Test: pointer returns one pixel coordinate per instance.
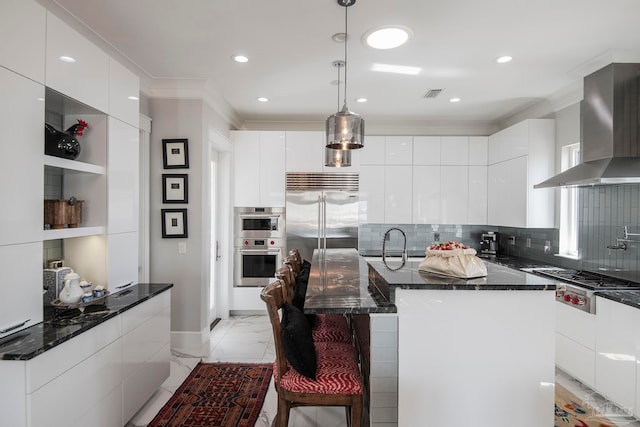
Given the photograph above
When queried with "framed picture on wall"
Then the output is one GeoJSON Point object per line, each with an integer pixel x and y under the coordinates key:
{"type": "Point", "coordinates": [175, 188]}
{"type": "Point", "coordinates": [174, 223]}
{"type": "Point", "coordinates": [175, 153]}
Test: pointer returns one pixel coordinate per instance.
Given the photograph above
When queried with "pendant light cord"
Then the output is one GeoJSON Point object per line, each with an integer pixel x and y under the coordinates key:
{"type": "Point", "coordinates": [346, 36]}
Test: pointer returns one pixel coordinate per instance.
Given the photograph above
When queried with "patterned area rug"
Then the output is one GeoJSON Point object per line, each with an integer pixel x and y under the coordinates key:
{"type": "Point", "coordinates": [574, 411]}
{"type": "Point", "coordinates": [217, 394]}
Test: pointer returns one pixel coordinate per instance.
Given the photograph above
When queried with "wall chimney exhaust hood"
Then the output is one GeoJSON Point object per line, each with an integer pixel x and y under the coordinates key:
{"type": "Point", "coordinates": [610, 147]}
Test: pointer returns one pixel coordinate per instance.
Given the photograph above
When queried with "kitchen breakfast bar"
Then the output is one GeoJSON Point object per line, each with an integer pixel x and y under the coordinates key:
{"type": "Point", "coordinates": [442, 351]}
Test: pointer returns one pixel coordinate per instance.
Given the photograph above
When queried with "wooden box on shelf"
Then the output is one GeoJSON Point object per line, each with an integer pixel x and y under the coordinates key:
{"type": "Point", "coordinates": [58, 213]}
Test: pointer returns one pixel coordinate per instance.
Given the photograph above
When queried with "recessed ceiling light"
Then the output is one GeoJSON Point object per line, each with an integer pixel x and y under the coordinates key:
{"type": "Point", "coordinates": [240, 58]}
{"type": "Point", "coordinates": [361, 100]}
{"type": "Point", "coordinates": [67, 59]}
{"type": "Point", "coordinates": [398, 69]}
{"type": "Point", "coordinates": [132, 98]}
{"type": "Point", "coordinates": [387, 37]}
{"type": "Point", "coordinates": [263, 99]}
{"type": "Point", "coordinates": [454, 100]}
{"type": "Point", "coordinates": [504, 59]}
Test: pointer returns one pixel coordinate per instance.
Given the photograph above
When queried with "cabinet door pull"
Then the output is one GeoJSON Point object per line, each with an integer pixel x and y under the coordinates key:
{"type": "Point", "coordinates": [11, 328]}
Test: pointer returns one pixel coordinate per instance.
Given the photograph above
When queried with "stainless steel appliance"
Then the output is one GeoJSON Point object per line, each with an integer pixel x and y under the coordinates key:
{"type": "Point", "coordinates": [579, 286]}
{"type": "Point", "coordinates": [259, 222]}
{"type": "Point", "coordinates": [489, 243]}
{"type": "Point", "coordinates": [609, 130]}
{"type": "Point", "coordinates": [322, 211]}
{"type": "Point", "coordinates": [259, 237]}
{"type": "Point", "coordinates": [256, 261]}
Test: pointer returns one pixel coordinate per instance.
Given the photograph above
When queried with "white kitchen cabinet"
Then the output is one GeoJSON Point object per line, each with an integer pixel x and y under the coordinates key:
{"type": "Point", "coordinates": [21, 118]}
{"type": "Point", "coordinates": [398, 191]}
{"type": "Point", "coordinates": [426, 195]}
{"type": "Point", "coordinates": [426, 150]}
{"type": "Point", "coordinates": [305, 152]}
{"type": "Point", "coordinates": [101, 377]}
{"type": "Point", "coordinates": [454, 150]}
{"type": "Point", "coordinates": [575, 343]}
{"type": "Point", "coordinates": [86, 77]}
{"type": "Point", "coordinates": [22, 31]}
{"type": "Point", "coordinates": [616, 363]}
{"type": "Point", "coordinates": [454, 187]}
{"type": "Point", "coordinates": [123, 177]}
{"type": "Point", "coordinates": [124, 94]}
{"type": "Point", "coordinates": [519, 157]}
{"type": "Point", "coordinates": [372, 194]}
{"type": "Point", "coordinates": [373, 152]}
{"type": "Point", "coordinates": [122, 259]}
{"type": "Point", "coordinates": [477, 198]}
{"type": "Point", "coordinates": [259, 168]}
{"type": "Point", "coordinates": [398, 150]}
{"type": "Point", "coordinates": [478, 146]}
{"type": "Point", "coordinates": [21, 292]}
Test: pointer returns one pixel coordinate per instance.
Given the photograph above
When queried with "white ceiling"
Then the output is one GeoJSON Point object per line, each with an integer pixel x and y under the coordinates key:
{"type": "Point", "coordinates": [554, 43]}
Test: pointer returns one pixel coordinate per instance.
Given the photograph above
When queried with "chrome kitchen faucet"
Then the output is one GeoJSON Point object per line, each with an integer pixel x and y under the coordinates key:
{"type": "Point", "coordinates": [384, 248]}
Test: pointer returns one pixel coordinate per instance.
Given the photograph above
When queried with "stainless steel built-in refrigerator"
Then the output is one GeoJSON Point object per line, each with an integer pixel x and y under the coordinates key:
{"type": "Point", "coordinates": [322, 211]}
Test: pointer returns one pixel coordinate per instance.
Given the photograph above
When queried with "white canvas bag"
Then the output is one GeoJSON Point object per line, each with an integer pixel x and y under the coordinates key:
{"type": "Point", "coordinates": [462, 263]}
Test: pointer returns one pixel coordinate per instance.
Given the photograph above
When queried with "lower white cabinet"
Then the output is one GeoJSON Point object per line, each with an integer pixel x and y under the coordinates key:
{"type": "Point", "coordinates": [99, 378]}
{"type": "Point", "coordinates": [617, 343]}
{"type": "Point", "coordinates": [575, 343]}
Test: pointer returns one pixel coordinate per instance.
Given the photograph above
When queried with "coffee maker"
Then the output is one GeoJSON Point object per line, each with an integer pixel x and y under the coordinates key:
{"type": "Point", "coordinates": [489, 243]}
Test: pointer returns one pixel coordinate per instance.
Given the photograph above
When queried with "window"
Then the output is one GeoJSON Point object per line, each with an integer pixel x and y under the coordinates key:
{"type": "Point", "coordinates": [569, 205]}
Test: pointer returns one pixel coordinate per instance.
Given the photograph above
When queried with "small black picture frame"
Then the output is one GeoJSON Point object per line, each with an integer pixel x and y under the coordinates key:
{"type": "Point", "coordinates": [175, 188]}
{"type": "Point", "coordinates": [175, 153]}
{"type": "Point", "coordinates": [174, 223]}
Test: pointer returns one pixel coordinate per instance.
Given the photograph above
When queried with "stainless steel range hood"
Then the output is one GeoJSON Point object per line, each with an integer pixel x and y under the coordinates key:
{"type": "Point", "coordinates": [610, 147]}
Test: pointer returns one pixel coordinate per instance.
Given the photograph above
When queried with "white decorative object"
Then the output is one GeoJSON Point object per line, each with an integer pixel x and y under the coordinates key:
{"type": "Point", "coordinates": [453, 259]}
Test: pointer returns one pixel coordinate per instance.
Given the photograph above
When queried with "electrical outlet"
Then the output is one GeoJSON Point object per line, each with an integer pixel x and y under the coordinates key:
{"type": "Point", "coordinates": [528, 242]}
{"type": "Point", "coordinates": [547, 246]}
{"type": "Point", "coordinates": [436, 237]}
{"type": "Point", "coordinates": [182, 248]}
{"type": "Point", "coordinates": [512, 240]}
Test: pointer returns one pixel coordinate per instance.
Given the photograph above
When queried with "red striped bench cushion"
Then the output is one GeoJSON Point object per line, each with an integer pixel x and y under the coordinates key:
{"type": "Point", "coordinates": [331, 328]}
{"type": "Point", "coordinates": [337, 372]}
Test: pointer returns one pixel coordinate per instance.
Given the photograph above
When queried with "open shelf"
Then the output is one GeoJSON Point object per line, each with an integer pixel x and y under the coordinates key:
{"type": "Point", "coordinates": [68, 233]}
{"type": "Point", "coordinates": [73, 165]}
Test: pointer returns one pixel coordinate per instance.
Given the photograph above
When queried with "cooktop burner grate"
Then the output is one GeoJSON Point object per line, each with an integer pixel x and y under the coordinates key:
{"type": "Point", "coordinates": [587, 279]}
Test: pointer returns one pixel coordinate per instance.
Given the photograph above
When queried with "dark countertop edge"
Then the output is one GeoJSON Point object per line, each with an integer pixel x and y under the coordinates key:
{"type": "Point", "coordinates": [629, 298]}
{"type": "Point", "coordinates": [163, 287]}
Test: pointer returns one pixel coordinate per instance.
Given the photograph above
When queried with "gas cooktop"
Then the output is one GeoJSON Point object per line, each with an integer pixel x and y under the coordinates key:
{"type": "Point", "coordinates": [586, 279]}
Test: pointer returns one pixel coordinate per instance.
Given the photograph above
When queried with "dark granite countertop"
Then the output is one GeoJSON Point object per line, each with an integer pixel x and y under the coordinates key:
{"type": "Point", "coordinates": [56, 328]}
{"type": "Point", "coordinates": [499, 278]}
{"type": "Point", "coordinates": [355, 285]}
{"type": "Point", "coordinates": [345, 287]}
{"type": "Point", "coordinates": [630, 298]}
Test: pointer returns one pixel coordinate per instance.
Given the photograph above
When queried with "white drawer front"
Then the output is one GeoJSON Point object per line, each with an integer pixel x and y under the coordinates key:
{"type": "Point", "coordinates": [142, 343]}
{"type": "Point", "coordinates": [139, 314]}
{"type": "Point", "coordinates": [576, 324]}
{"type": "Point", "coordinates": [576, 360]}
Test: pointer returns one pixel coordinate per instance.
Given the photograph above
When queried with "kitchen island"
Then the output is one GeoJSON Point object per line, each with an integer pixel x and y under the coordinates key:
{"type": "Point", "coordinates": [469, 352]}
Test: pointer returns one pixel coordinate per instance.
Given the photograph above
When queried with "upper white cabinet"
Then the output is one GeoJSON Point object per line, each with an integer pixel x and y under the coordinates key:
{"type": "Point", "coordinates": [477, 199]}
{"type": "Point", "coordinates": [259, 168]}
{"type": "Point", "coordinates": [454, 194]}
{"type": "Point", "coordinates": [426, 150]}
{"type": "Point", "coordinates": [519, 157]}
{"type": "Point", "coordinates": [398, 189]}
{"type": "Point", "coordinates": [124, 88]}
{"type": "Point", "coordinates": [22, 31]}
{"type": "Point", "coordinates": [21, 120]}
{"type": "Point", "coordinates": [617, 342]}
{"type": "Point", "coordinates": [454, 150]}
{"type": "Point", "coordinates": [372, 202]}
{"type": "Point", "coordinates": [123, 177]}
{"type": "Point", "coordinates": [398, 150]}
{"type": "Point", "coordinates": [305, 152]}
{"type": "Point", "coordinates": [373, 152]}
{"type": "Point", "coordinates": [75, 66]}
{"type": "Point", "coordinates": [426, 195]}
{"type": "Point", "coordinates": [478, 150]}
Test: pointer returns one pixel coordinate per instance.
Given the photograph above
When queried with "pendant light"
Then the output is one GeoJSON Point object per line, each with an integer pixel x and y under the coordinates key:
{"type": "Point", "coordinates": [337, 158]}
{"type": "Point", "coordinates": [345, 129]}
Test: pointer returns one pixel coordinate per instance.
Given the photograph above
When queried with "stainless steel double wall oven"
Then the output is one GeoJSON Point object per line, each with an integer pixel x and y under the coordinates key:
{"type": "Point", "coordinates": [259, 241]}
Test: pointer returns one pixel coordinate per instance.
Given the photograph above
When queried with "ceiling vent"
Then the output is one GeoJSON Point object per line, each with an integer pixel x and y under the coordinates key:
{"type": "Point", "coordinates": [432, 93]}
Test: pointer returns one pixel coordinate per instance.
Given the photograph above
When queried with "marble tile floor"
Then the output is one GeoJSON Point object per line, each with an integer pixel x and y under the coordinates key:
{"type": "Point", "coordinates": [249, 339]}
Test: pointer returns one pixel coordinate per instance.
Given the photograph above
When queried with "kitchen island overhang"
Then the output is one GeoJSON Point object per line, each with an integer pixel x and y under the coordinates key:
{"type": "Point", "coordinates": [476, 351]}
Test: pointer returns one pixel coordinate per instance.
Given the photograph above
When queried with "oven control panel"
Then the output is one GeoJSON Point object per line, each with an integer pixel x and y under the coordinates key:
{"type": "Point", "coordinates": [261, 243]}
